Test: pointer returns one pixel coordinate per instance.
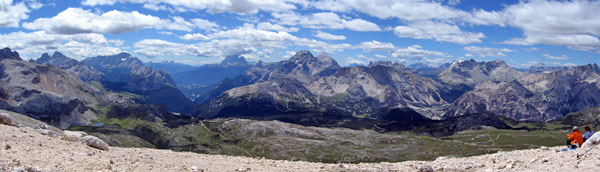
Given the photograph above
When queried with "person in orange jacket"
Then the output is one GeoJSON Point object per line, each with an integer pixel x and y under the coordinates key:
{"type": "Point", "coordinates": [575, 137]}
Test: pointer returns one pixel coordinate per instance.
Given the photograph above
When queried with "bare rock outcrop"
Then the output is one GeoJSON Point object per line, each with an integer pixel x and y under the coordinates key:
{"type": "Point", "coordinates": [95, 142]}
{"type": "Point", "coordinates": [73, 136]}
{"type": "Point", "coordinates": [594, 140]}
{"type": "Point", "coordinates": [6, 119]}
{"type": "Point", "coordinates": [535, 97]}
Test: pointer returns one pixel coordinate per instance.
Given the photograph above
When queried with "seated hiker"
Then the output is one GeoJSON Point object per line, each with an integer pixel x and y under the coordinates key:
{"type": "Point", "coordinates": [588, 133]}
{"type": "Point", "coordinates": [575, 138]}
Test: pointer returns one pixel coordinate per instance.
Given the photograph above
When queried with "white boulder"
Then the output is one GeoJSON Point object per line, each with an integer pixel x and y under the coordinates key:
{"type": "Point", "coordinates": [95, 142]}
{"type": "Point", "coordinates": [595, 139]}
{"type": "Point", "coordinates": [47, 132]}
{"type": "Point", "coordinates": [73, 135]}
{"type": "Point", "coordinates": [5, 119]}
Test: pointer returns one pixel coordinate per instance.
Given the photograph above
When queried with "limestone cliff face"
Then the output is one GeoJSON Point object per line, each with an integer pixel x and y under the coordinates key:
{"type": "Point", "coordinates": [84, 72]}
{"type": "Point", "coordinates": [319, 83]}
{"type": "Point", "coordinates": [303, 66]}
{"type": "Point", "coordinates": [471, 72]}
{"type": "Point", "coordinates": [535, 97]}
{"type": "Point", "coordinates": [123, 72]}
{"type": "Point", "coordinates": [381, 85]}
{"type": "Point", "coordinates": [46, 92]}
{"type": "Point", "coordinates": [126, 69]}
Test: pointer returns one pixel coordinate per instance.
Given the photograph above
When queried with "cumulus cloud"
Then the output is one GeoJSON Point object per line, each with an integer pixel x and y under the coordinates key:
{"type": "Point", "coordinates": [12, 13]}
{"type": "Point", "coordinates": [78, 46]}
{"type": "Point", "coordinates": [353, 61]}
{"type": "Point", "coordinates": [328, 36]}
{"type": "Point", "coordinates": [380, 56]}
{"type": "Point", "coordinates": [413, 10]}
{"type": "Point", "coordinates": [212, 6]}
{"type": "Point", "coordinates": [275, 27]}
{"type": "Point", "coordinates": [576, 42]}
{"type": "Point", "coordinates": [438, 31]}
{"type": "Point", "coordinates": [194, 36]}
{"type": "Point", "coordinates": [77, 20]}
{"type": "Point", "coordinates": [575, 24]}
{"type": "Point", "coordinates": [562, 57]}
{"type": "Point", "coordinates": [376, 46]}
{"type": "Point", "coordinates": [415, 52]}
{"type": "Point", "coordinates": [486, 51]}
{"type": "Point", "coordinates": [246, 39]}
{"type": "Point", "coordinates": [324, 20]}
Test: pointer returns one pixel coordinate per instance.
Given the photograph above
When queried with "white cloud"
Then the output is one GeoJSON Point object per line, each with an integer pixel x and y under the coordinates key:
{"type": "Point", "coordinates": [247, 39]}
{"type": "Point", "coordinates": [415, 52]}
{"type": "Point", "coordinates": [350, 60]}
{"type": "Point", "coordinates": [410, 10]}
{"type": "Point", "coordinates": [289, 54]}
{"type": "Point", "coordinates": [365, 57]}
{"type": "Point", "coordinates": [328, 36]}
{"type": "Point", "coordinates": [275, 27]}
{"type": "Point", "coordinates": [117, 42]}
{"type": "Point", "coordinates": [78, 46]}
{"type": "Point", "coordinates": [166, 33]}
{"type": "Point", "coordinates": [324, 20]}
{"type": "Point", "coordinates": [212, 6]}
{"type": "Point", "coordinates": [487, 51]}
{"type": "Point", "coordinates": [204, 24]}
{"type": "Point", "coordinates": [194, 36]}
{"type": "Point", "coordinates": [157, 7]}
{"type": "Point", "coordinates": [438, 31]}
{"type": "Point", "coordinates": [575, 24]}
{"type": "Point", "coordinates": [11, 14]}
{"type": "Point", "coordinates": [576, 42]}
{"type": "Point", "coordinates": [155, 47]}
{"type": "Point", "coordinates": [376, 46]}
{"type": "Point", "coordinates": [453, 2]}
{"type": "Point", "coordinates": [77, 20]}
{"type": "Point", "coordinates": [562, 57]}
{"type": "Point", "coordinates": [380, 56]}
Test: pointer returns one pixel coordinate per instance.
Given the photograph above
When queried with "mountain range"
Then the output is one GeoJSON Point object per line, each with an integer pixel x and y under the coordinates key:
{"type": "Point", "coordinates": [535, 97]}
{"type": "Point", "coordinates": [127, 103]}
{"type": "Point", "coordinates": [303, 89]}
{"type": "Point", "coordinates": [195, 81]}
{"type": "Point", "coordinates": [46, 92]}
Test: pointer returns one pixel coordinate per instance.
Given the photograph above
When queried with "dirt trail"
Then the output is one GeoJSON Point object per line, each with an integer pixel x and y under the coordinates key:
{"type": "Point", "coordinates": [29, 149]}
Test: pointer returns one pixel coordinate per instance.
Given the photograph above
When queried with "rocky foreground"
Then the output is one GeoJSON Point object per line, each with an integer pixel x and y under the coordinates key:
{"type": "Point", "coordinates": [26, 149]}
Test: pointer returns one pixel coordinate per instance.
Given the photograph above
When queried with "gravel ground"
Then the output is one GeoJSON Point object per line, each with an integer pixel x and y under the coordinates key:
{"type": "Point", "coordinates": [24, 148]}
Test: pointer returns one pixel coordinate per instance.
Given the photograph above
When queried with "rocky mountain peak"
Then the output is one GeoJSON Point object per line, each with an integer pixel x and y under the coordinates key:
{"type": "Point", "coordinates": [588, 68]}
{"type": "Point", "coordinates": [302, 56]}
{"type": "Point", "coordinates": [471, 72]}
{"type": "Point", "coordinates": [57, 59]}
{"type": "Point", "coordinates": [304, 65]}
{"type": "Point", "coordinates": [260, 63]}
{"type": "Point", "coordinates": [58, 55]}
{"type": "Point", "coordinates": [541, 68]}
{"type": "Point", "coordinates": [234, 60]}
{"type": "Point", "coordinates": [44, 57]}
{"type": "Point", "coordinates": [122, 59]}
{"type": "Point", "coordinates": [386, 64]}
{"type": "Point", "coordinates": [6, 53]}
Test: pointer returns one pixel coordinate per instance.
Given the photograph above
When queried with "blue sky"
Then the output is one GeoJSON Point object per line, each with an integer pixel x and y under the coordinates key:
{"type": "Point", "coordinates": [522, 33]}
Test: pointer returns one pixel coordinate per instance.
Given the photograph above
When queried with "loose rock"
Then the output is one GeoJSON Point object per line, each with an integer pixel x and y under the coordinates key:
{"type": "Point", "coordinates": [73, 135]}
{"type": "Point", "coordinates": [47, 132]}
{"type": "Point", "coordinates": [95, 142]}
{"type": "Point", "coordinates": [425, 168]}
{"type": "Point", "coordinates": [6, 119]}
{"type": "Point", "coordinates": [41, 126]}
